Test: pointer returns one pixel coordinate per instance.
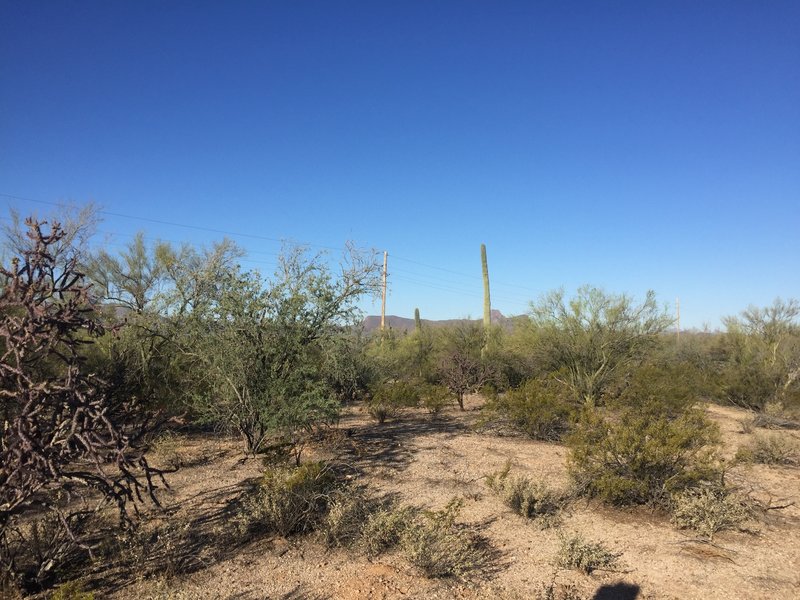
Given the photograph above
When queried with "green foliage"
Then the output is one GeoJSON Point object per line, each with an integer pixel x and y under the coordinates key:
{"type": "Point", "coordinates": [643, 454]}
{"type": "Point", "coordinates": [710, 509]}
{"type": "Point", "coordinates": [434, 398]}
{"type": "Point", "coordinates": [595, 337]}
{"type": "Point", "coordinates": [288, 500]}
{"type": "Point", "coordinates": [772, 449]}
{"type": "Point", "coordinates": [762, 352]}
{"type": "Point", "coordinates": [577, 553]}
{"type": "Point", "coordinates": [389, 399]}
{"type": "Point", "coordinates": [438, 548]}
{"type": "Point", "coordinates": [528, 498]}
{"type": "Point", "coordinates": [262, 350]}
{"type": "Point", "coordinates": [540, 408]}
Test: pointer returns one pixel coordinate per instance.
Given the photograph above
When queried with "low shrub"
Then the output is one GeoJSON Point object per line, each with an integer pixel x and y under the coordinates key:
{"type": "Point", "coordinates": [540, 408]}
{"type": "Point", "coordinates": [389, 400]}
{"type": "Point", "coordinates": [289, 499]}
{"type": "Point", "coordinates": [384, 529]}
{"type": "Point", "coordinates": [770, 450]}
{"type": "Point", "coordinates": [434, 398]}
{"type": "Point", "coordinates": [528, 498]}
{"type": "Point", "coordinates": [438, 548]}
{"type": "Point", "coordinates": [348, 513]}
{"type": "Point", "coordinates": [577, 553]}
{"type": "Point", "coordinates": [642, 454]}
{"type": "Point", "coordinates": [710, 509]}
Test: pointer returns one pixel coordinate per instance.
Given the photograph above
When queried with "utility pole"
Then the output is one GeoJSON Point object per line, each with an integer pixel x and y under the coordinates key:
{"type": "Point", "coordinates": [383, 299]}
{"type": "Point", "coordinates": [678, 325]}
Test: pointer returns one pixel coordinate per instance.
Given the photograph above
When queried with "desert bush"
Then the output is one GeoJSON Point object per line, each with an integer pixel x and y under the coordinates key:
{"type": "Point", "coordinates": [348, 514]}
{"type": "Point", "coordinates": [384, 528]}
{"type": "Point", "coordinates": [540, 408]}
{"type": "Point", "coordinates": [438, 548]}
{"type": "Point", "coordinates": [642, 455]}
{"type": "Point", "coordinates": [390, 399]}
{"type": "Point", "coordinates": [528, 498]}
{"type": "Point", "coordinates": [770, 450]}
{"type": "Point", "coordinates": [577, 553]}
{"type": "Point", "coordinates": [710, 509]}
{"type": "Point", "coordinates": [288, 500]}
{"type": "Point", "coordinates": [434, 398]}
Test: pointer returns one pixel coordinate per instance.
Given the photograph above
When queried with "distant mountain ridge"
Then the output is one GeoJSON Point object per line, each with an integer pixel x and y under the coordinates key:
{"type": "Point", "coordinates": [373, 322]}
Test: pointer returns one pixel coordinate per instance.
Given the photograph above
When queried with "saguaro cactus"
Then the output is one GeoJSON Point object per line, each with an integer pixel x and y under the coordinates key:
{"type": "Point", "coordinates": [487, 302]}
{"type": "Point", "coordinates": [417, 321]}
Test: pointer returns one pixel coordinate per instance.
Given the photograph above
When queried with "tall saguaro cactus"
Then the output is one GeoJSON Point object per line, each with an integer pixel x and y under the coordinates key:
{"type": "Point", "coordinates": [417, 321]}
{"type": "Point", "coordinates": [487, 302]}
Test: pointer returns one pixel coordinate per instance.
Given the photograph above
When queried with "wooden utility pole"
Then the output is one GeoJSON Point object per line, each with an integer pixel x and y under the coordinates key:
{"type": "Point", "coordinates": [383, 299]}
{"type": "Point", "coordinates": [678, 311]}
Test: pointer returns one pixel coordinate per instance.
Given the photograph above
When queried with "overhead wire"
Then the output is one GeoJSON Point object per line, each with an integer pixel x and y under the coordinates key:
{"type": "Point", "coordinates": [451, 286]}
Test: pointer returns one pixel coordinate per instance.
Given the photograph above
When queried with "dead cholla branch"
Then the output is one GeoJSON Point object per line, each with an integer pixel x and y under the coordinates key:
{"type": "Point", "coordinates": [61, 431]}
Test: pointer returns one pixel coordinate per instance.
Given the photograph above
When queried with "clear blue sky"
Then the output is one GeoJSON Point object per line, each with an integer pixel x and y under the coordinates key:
{"type": "Point", "coordinates": [631, 145]}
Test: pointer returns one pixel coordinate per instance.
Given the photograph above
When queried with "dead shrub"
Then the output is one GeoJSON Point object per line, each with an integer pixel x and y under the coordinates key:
{"type": "Point", "coordinates": [166, 549]}
{"type": "Point", "coordinates": [708, 510]}
{"type": "Point", "coordinates": [577, 553]}
{"type": "Point", "coordinates": [770, 450]}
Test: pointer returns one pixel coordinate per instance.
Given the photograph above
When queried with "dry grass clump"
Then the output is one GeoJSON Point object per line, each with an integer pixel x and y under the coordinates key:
{"type": "Point", "coordinates": [71, 590]}
{"type": "Point", "coordinates": [438, 548]}
{"type": "Point", "coordinates": [577, 553]}
{"type": "Point", "coordinates": [770, 450]}
{"type": "Point", "coordinates": [709, 510]}
{"type": "Point", "coordinates": [528, 498]}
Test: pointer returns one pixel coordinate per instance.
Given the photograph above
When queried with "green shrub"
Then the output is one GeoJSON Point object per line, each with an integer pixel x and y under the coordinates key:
{"type": "Point", "coordinates": [384, 528]}
{"type": "Point", "coordinates": [708, 510]}
{"type": "Point", "coordinates": [435, 398]}
{"type": "Point", "coordinates": [389, 399]}
{"type": "Point", "coordinates": [528, 498]}
{"type": "Point", "coordinates": [438, 548]}
{"type": "Point", "coordinates": [576, 553]}
{"type": "Point", "coordinates": [289, 500]}
{"type": "Point", "coordinates": [642, 454]}
{"type": "Point", "coordinates": [770, 450]}
{"type": "Point", "coordinates": [540, 408]}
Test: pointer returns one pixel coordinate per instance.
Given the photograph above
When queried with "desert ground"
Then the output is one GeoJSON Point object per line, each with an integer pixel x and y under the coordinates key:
{"type": "Point", "coordinates": [425, 461]}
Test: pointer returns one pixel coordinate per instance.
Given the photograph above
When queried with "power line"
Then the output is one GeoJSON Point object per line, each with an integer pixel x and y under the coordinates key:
{"type": "Point", "coordinates": [278, 240]}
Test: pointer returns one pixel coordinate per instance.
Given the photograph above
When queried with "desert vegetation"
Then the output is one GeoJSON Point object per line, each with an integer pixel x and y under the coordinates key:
{"type": "Point", "coordinates": [170, 417]}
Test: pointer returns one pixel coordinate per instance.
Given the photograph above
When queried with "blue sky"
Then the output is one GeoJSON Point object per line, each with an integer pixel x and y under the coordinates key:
{"type": "Point", "coordinates": [629, 145]}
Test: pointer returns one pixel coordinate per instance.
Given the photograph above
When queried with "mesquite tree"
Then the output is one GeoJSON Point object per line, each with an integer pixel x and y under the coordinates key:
{"type": "Point", "coordinates": [64, 450]}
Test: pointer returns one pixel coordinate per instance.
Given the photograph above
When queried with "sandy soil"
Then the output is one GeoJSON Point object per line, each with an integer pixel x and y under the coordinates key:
{"type": "Point", "coordinates": [426, 462]}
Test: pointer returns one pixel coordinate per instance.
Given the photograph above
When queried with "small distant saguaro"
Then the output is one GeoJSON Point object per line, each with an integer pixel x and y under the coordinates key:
{"type": "Point", "coordinates": [417, 321]}
{"type": "Point", "coordinates": [487, 302]}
